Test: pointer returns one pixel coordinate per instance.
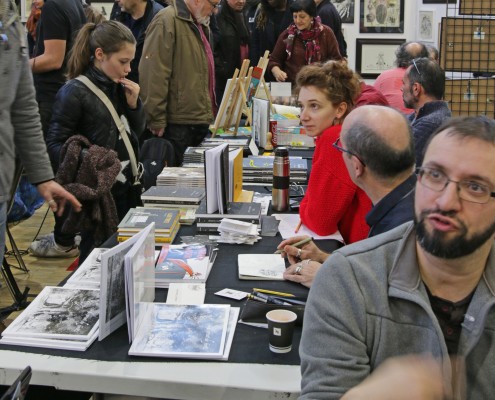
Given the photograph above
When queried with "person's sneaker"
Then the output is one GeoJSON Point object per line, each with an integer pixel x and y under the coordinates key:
{"type": "Point", "coordinates": [47, 247]}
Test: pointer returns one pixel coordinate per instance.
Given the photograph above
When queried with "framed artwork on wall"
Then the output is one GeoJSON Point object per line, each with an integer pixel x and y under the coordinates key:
{"type": "Point", "coordinates": [345, 9]}
{"type": "Point", "coordinates": [476, 7]}
{"type": "Point", "coordinates": [439, 1]}
{"type": "Point", "coordinates": [381, 16]}
{"type": "Point", "coordinates": [373, 56]}
{"type": "Point", "coordinates": [426, 24]}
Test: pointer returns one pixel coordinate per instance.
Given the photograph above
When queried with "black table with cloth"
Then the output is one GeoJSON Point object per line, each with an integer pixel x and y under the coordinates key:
{"type": "Point", "coordinates": [250, 343]}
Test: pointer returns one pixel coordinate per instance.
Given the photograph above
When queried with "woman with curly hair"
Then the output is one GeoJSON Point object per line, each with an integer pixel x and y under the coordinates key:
{"type": "Point", "coordinates": [332, 201]}
{"type": "Point", "coordinates": [305, 41]}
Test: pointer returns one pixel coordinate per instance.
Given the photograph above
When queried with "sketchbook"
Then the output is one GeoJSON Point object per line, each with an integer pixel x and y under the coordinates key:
{"type": "Point", "coordinates": [183, 331]}
{"type": "Point", "coordinates": [261, 267]}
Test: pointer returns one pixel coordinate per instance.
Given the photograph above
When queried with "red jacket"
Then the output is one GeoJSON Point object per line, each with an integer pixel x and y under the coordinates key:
{"type": "Point", "coordinates": [332, 201]}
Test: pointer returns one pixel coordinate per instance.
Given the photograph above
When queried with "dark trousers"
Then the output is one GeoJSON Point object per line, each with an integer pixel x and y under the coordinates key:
{"type": "Point", "coordinates": [45, 108]}
{"type": "Point", "coordinates": [63, 239]}
{"type": "Point", "coordinates": [123, 204]}
{"type": "Point", "coordinates": [184, 136]}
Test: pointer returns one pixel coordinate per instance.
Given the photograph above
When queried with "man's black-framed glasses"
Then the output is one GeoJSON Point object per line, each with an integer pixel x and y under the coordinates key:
{"type": "Point", "coordinates": [215, 6]}
{"type": "Point", "coordinates": [339, 148]}
{"type": "Point", "coordinates": [469, 190]}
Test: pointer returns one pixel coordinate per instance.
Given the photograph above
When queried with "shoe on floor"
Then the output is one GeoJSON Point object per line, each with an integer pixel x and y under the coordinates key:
{"type": "Point", "coordinates": [47, 247]}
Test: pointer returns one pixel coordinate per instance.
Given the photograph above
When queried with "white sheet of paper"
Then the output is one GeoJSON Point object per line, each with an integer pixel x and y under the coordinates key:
{"type": "Point", "coordinates": [186, 293]}
{"type": "Point", "coordinates": [232, 294]}
{"type": "Point", "coordinates": [288, 225]}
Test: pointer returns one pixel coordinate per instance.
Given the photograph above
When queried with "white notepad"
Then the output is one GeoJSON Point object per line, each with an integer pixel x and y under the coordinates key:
{"type": "Point", "coordinates": [261, 267]}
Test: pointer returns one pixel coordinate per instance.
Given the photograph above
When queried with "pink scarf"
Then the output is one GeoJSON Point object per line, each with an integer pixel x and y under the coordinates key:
{"type": "Point", "coordinates": [310, 39]}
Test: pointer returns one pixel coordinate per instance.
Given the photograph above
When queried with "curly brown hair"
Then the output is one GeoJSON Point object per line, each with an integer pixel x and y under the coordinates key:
{"type": "Point", "coordinates": [334, 78]}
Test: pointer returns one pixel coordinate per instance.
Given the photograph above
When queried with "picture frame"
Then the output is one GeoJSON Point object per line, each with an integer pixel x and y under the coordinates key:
{"type": "Point", "coordinates": [346, 10]}
{"type": "Point", "coordinates": [426, 25]}
{"type": "Point", "coordinates": [476, 7]}
{"type": "Point", "coordinates": [439, 1]}
{"type": "Point", "coordinates": [381, 16]}
{"type": "Point", "coordinates": [373, 56]}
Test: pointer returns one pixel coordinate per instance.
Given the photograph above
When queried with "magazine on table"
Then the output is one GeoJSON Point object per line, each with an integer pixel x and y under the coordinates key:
{"type": "Point", "coordinates": [183, 263]}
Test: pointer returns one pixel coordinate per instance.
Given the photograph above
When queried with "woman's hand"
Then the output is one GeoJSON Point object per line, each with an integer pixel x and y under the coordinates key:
{"type": "Point", "coordinates": [303, 272]}
{"type": "Point", "coordinates": [278, 74]}
{"type": "Point", "coordinates": [308, 251]}
{"type": "Point", "coordinates": [131, 90]}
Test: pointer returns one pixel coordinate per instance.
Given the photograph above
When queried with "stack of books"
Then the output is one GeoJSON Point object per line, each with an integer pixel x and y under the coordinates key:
{"type": "Point", "coordinates": [166, 223]}
{"type": "Point", "coordinates": [244, 141]}
{"type": "Point", "coordinates": [194, 157]}
{"type": "Point", "coordinates": [181, 176]}
{"type": "Point", "coordinates": [209, 223]}
{"type": "Point", "coordinates": [184, 199]}
{"type": "Point", "coordinates": [258, 170]}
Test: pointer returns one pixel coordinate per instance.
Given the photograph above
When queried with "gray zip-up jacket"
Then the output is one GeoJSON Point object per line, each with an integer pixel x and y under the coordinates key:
{"type": "Point", "coordinates": [20, 127]}
{"type": "Point", "coordinates": [368, 303]}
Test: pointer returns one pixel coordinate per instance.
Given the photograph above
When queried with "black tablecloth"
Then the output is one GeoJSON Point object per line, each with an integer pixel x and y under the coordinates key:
{"type": "Point", "coordinates": [250, 344]}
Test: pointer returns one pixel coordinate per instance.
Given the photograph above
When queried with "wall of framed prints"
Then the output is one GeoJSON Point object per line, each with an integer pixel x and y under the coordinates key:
{"type": "Point", "coordinates": [466, 53]}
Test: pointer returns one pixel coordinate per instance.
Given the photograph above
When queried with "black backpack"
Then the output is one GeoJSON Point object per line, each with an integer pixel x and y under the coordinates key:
{"type": "Point", "coordinates": [156, 153]}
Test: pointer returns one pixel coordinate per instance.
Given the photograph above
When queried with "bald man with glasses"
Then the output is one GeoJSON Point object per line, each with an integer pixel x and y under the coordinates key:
{"type": "Point", "coordinates": [410, 314]}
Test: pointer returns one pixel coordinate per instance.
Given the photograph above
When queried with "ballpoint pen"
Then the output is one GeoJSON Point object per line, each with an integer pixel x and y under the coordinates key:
{"type": "Point", "coordinates": [297, 244]}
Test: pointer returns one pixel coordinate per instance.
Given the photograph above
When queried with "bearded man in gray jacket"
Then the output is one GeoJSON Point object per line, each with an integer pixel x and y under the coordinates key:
{"type": "Point", "coordinates": [423, 288]}
{"type": "Point", "coordinates": [20, 126]}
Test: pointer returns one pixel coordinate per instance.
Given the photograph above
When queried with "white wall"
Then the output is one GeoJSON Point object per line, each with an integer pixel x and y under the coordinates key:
{"type": "Point", "coordinates": [411, 9]}
{"type": "Point", "coordinates": [351, 31]}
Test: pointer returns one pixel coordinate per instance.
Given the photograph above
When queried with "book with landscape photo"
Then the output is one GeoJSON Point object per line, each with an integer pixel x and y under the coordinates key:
{"type": "Point", "coordinates": [61, 318]}
{"type": "Point", "coordinates": [183, 331]}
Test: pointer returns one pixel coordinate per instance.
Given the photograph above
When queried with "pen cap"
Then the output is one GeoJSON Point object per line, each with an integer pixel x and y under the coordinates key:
{"type": "Point", "coordinates": [281, 180]}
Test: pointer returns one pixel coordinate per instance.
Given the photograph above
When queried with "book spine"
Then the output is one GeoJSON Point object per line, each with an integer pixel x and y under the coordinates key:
{"type": "Point", "coordinates": [209, 220]}
{"type": "Point", "coordinates": [182, 202]}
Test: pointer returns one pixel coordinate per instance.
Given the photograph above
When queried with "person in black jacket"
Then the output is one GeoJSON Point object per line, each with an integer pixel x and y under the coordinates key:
{"type": "Point", "coordinates": [136, 15]}
{"type": "Point", "coordinates": [103, 53]}
{"type": "Point", "coordinates": [231, 39]}
{"type": "Point", "coordinates": [330, 17]}
{"type": "Point", "coordinates": [271, 19]}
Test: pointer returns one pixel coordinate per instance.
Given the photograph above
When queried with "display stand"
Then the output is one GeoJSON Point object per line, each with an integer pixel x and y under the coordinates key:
{"type": "Point", "coordinates": [236, 99]}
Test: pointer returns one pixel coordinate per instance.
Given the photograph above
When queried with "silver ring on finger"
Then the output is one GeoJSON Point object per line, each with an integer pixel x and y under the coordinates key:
{"type": "Point", "coordinates": [299, 269]}
{"type": "Point", "coordinates": [299, 251]}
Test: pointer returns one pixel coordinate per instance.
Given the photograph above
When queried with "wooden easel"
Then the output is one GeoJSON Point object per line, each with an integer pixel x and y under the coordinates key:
{"type": "Point", "coordinates": [235, 102]}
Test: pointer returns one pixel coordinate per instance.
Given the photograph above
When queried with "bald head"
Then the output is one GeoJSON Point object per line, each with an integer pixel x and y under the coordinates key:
{"type": "Point", "coordinates": [382, 139]}
{"type": "Point", "coordinates": [408, 51]}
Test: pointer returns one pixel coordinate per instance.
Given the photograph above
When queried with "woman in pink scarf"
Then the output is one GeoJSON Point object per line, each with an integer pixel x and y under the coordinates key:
{"type": "Point", "coordinates": [305, 41]}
